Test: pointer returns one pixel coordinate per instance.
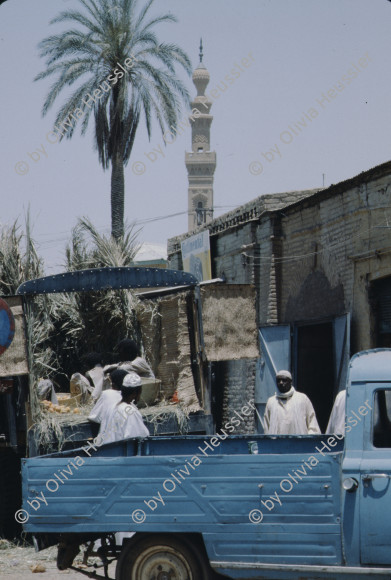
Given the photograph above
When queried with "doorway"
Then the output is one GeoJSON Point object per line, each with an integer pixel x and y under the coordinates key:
{"type": "Point", "coordinates": [380, 295]}
{"type": "Point", "coordinates": [315, 367]}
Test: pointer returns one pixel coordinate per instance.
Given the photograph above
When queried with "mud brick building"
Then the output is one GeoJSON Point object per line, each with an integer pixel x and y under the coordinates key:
{"type": "Point", "coordinates": [320, 263]}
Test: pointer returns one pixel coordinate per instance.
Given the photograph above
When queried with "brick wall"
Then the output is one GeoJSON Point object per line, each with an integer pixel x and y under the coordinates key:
{"type": "Point", "coordinates": [334, 245]}
{"type": "Point", "coordinates": [311, 255]}
{"type": "Point", "coordinates": [239, 382]}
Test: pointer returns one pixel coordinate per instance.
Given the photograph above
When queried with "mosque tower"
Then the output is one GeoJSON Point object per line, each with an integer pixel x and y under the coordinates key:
{"type": "Point", "coordinates": [201, 162]}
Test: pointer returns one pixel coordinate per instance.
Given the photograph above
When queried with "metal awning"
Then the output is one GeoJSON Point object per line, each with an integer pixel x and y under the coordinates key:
{"type": "Point", "coordinates": [107, 279]}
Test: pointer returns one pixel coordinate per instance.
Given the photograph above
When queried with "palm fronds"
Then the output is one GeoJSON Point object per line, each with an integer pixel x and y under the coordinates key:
{"type": "Point", "coordinates": [90, 249]}
{"type": "Point", "coordinates": [94, 321]}
{"type": "Point", "coordinates": [61, 328]}
{"type": "Point", "coordinates": [19, 260]}
{"type": "Point", "coordinates": [122, 73]}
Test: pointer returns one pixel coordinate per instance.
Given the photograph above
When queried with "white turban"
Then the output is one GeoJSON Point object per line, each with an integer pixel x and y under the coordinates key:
{"type": "Point", "coordinates": [132, 380]}
{"type": "Point", "coordinates": [285, 374]}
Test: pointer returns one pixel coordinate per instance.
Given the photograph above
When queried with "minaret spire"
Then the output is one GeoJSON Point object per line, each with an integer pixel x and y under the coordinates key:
{"type": "Point", "coordinates": [201, 162]}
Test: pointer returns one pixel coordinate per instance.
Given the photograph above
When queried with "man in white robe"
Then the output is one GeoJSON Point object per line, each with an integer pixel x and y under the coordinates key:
{"type": "Point", "coordinates": [123, 420]}
{"type": "Point", "coordinates": [107, 400]}
{"type": "Point", "coordinates": [337, 418]}
{"type": "Point", "coordinates": [289, 412]}
{"type": "Point", "coordinates": [119, 418]}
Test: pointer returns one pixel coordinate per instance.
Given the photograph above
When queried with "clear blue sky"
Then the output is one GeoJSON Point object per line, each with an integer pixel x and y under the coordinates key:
{"type": "Point", "coordinates": [300, 48]}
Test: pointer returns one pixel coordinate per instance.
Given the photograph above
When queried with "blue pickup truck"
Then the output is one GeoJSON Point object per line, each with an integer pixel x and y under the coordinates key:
{"type": "Point", "coordinates": [259, 506]}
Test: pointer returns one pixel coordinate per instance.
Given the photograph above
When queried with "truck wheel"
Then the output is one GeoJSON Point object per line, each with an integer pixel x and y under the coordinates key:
{"type": "Point", "coordinates": [160, 558]}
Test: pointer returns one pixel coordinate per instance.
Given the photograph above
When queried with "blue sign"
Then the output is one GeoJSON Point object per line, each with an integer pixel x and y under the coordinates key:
{"type": "Point", "coordinates": [7, 326]}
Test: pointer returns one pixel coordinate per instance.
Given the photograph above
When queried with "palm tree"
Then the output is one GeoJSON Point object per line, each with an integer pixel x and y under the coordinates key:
{"type": "Point", "coordinates": [125, 74]}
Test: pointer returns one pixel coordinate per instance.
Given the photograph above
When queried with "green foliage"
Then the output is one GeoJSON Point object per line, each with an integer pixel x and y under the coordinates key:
{"type": "Point", "coordinates": [19, 260]}
{"type": "Point", "coordinates": [94, 321]}
{"type": "Point", "coordinates": [105, 252]}
{"type": "Point", "coordinates": [61, 328]}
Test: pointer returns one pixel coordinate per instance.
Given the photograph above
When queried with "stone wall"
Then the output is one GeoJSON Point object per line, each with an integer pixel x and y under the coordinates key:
{"type": "Point", "coordinates": [239, 381]}
{"type": "Point", "coordinates": [241, 245]}
{"type": "Point", "coordinates": [334, 245]}
{"type": "Point", "coordinates": [312, 255]}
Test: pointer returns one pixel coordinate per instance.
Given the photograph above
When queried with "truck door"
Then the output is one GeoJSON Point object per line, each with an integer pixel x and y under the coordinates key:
{"type": "Point", "coordinates": [375, 488]}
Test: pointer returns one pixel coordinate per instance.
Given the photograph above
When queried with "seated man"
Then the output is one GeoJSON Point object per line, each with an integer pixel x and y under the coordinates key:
{"type": "Point", "coordinates": [123, 420]}
{"type": "Point", "coordinates": [289, 412]}
{"type": "Point", "coordinates": [108, 399]}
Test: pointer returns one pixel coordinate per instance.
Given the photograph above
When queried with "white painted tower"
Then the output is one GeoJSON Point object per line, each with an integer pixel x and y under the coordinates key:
{"type": "Point", "coordinates": [201, 162]}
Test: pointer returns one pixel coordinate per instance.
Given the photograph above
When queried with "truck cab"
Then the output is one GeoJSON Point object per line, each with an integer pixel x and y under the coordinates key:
{"type": "Point", "coordinates": [366, 509]}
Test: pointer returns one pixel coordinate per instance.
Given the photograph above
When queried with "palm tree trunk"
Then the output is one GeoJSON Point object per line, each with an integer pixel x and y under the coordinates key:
{"type": "Point", "coordinates": [117, 196]}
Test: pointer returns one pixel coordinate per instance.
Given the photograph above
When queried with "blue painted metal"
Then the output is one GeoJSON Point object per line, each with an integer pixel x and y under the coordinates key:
{"type": "Point", "coordinates": [367, 525]}
{"type": "Point", "coordinates": [370, 365]}
{"type": "Point", "coordinates": [341, 344]}
{"type": "Point", "coordinates": [294, 572]}
{"type": "Point", "coordinates": [275, 355]}
{"type": "Point", "coordinates": [194, 484]}
{"type": "Point", "coordinates": [107, 279]}
{"type": "Point", "coordinates": [210, 497]}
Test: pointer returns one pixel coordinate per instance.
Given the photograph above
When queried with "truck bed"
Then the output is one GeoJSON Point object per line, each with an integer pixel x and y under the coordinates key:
{"type": "Point", "coordinates": [190, 487]}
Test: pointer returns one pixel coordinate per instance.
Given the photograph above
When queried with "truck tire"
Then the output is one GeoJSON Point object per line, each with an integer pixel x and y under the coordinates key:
{"type": "Point", "coordinates": [163, 558]}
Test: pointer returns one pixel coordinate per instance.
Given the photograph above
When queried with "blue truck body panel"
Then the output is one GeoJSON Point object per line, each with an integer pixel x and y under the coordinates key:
{"type": "Point", "coordinates": [218, 493]}
{"type": "Point", "coordinates": [265, 506]}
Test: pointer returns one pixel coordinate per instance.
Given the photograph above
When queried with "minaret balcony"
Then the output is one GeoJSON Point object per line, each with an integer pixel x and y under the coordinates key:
{"type": "Point", "coordinates": [201, 157]}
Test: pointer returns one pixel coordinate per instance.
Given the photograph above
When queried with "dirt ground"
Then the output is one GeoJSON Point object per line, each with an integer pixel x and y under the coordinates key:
{"type": "Point", "coordinates": [18, 562]}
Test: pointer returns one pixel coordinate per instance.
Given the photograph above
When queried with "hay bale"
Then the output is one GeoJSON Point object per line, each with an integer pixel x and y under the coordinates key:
{"type": "Point", "coordinates": [229, 321]}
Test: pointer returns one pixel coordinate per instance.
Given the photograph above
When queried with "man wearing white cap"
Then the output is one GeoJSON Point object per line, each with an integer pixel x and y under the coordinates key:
{"type": "Point", "coordinates": [123, 420]}
{"type": "Point", "coordinates": [289, 412]}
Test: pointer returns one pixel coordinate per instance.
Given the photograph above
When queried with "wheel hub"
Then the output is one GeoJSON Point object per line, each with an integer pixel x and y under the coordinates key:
{"type": "Point", "coordinates": [161, 564]}
{"type": "Point", "coordinates": [164, 575]}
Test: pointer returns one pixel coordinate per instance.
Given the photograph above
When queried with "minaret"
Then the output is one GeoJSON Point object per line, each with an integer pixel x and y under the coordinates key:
{"type": "Point", "coordinates": [201, 163]}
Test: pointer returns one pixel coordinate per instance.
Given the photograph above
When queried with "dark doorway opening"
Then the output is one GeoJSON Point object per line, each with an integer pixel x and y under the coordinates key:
{"type": "Point", "coordinates": [315, 368]}
{"type": "Point", "coordinates": [380, 297]}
